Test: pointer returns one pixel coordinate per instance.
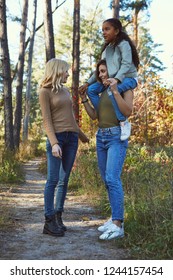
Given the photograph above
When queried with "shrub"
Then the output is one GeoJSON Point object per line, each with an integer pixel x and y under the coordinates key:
{"type": "Point", "coordinates": [10, 168]}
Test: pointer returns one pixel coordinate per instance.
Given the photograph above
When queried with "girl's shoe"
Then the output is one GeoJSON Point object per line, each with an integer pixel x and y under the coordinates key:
{"type": "Point", "coordinates": [125, 130]}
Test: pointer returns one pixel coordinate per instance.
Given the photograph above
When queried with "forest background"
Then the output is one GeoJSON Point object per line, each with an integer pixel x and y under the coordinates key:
{"type": "Point", "coordinates": [77, 38]}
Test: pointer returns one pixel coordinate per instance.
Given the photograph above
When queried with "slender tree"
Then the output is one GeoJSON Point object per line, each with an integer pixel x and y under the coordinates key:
{"type": "Point", "coordinates": [29, 74]}
{"type": "Point", "coordinates": [20, 71]}
{"type": "Point", "coordinates": [48, 29]}
{"type": "Point", "coordinates": [75, 55]}
{"type": "Point", "coordinates": [6, 78]}
{"type": "Point", "coordinates": [137, 7]}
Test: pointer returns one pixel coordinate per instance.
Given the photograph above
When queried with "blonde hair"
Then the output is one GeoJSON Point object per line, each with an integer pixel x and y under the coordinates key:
{"type": "Point", "coordinates": [55, 68]}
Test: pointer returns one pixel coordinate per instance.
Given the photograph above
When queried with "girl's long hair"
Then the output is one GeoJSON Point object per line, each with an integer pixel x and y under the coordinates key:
{"type": "Point", "coordinates": [55, 68]}
{"type": "Point", "coordinates": [122, 36]}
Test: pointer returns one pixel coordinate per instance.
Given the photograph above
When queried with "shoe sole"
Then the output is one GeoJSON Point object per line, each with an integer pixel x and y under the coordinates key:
{"type": "Point", "coordinates": [117, 237]}
{"type": "Point", "coordinates": [53, 234]}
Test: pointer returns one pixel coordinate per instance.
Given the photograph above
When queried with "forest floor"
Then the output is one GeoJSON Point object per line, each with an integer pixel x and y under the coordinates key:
{"type": "Point", "coordinates": [23, 239]}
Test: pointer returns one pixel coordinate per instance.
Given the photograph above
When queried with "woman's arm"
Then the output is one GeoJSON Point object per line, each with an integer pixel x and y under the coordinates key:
{"type": "Point", "coordinates": [124, 103]}
{"type": "Point", "coordinates": [89, 109]}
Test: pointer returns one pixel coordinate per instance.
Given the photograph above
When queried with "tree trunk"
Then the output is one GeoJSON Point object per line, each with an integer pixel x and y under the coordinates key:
{"type": "Point", "coordinates": [19, 87]}
{"type": "Point", "coordinates": [38, 28]}
{"type": "Point", "coordinates": [48, 29]}
{"type": "Point", "coordinates": [29, 75]}
{"type": "Point", "coordinates": [6, 78]}
{"type": "Point", "coordinates": [135, 24]}
{"type": "Point", "coordinates": [115, 8]}
{"type": "Point", "coordinates": [75, 55]}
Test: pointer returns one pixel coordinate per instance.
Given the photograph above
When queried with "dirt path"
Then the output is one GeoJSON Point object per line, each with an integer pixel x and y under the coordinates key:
{"type": "Point", "coordinates": [26, 241]}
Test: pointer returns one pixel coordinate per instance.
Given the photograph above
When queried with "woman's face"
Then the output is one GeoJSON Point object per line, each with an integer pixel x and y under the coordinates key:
{"type": "Point", "coordinates": [65, 77]}
{"type": "Point", "coordinates": [109, 32]}
{"type": "Point", "coordinates": [103, 73]}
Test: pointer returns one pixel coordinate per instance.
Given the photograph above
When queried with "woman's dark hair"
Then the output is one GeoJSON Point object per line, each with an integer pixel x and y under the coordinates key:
{"type": "Point", "coordinates": [101, 62]}
{"type": "Point", "coordinates": [122, 36]}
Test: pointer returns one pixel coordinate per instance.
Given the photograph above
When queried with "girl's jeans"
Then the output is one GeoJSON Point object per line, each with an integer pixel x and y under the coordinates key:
{"type": "Point", "coordinates": [96, 88]}
{"type": "Point", "coordinates": [111, 153]}
{"type": "Point", "coordinates": [58, 171]}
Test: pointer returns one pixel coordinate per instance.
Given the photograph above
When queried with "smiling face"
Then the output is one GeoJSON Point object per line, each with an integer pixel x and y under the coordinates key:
{"type": "Point", "coordinates": [103, 73]}
{"type": "Point", "coordinates": [109, 32]}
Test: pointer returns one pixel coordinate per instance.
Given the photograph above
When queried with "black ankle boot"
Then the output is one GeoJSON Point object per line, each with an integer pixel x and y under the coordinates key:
{"type": "Point", "coordinates": [51, 227]}
{"type": "Point", "coordinates": [59, 221]}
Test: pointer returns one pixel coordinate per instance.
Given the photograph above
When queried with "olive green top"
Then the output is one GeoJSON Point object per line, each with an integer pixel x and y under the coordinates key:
{"type": "Point", "coordinates": [106, 115]}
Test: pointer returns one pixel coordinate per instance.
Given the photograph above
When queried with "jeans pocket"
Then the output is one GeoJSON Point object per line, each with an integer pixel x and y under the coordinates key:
{"type": "Point", "coordinates": [115, 131]}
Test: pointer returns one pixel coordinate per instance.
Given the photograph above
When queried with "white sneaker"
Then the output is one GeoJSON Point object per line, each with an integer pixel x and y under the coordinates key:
{"type": "Point", "coordinates": [105, 226]}
{"type": "Point", "coordinates": [113, 232]}
{"type": "Point", "coordinates": [125, 130]}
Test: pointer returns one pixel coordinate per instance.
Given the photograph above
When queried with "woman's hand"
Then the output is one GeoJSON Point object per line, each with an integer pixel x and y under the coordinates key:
{"type": "Point", "coordinates": [83, 95]}
{"type": "Point", "coordinates": [82, 89]}
{"type": "Point", "coordinates": [113, 85]}
{"type": "Point", "coordinates": [56, 151]}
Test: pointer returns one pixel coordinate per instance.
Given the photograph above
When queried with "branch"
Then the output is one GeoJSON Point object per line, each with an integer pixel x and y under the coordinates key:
{"type": "Point", "coordinates": [29, 38]}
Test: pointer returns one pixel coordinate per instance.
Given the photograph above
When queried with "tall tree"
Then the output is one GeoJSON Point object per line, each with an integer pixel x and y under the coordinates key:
{"type": "Point", "coordinates": [20, 71]}
{"type": "Point", "coordinates": [115, 5]}
{"type": "Point", "coordinates": [132, 9]}
{"type": "Point", "coordinates": [137, 7]}
{"type": "Point", "coordinates": [29, 74]}
{"type": "Point", "coordinates": [75, 55]}
{"type": "Point", "coordinates": [48, 29]}
{"type": "Point", "coordinates": [6, 78]}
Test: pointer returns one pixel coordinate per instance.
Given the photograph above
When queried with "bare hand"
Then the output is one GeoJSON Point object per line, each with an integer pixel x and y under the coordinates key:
{"type": "Point", "coordinates": [113, 85]}
{"type": "Point", "coordinates": [82, 89]}
{"type": "Point", "coordinates": [56, 151]}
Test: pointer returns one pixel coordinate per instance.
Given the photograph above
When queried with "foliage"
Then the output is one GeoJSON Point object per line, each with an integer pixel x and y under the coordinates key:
{"type": "Point", "coordinates": [85, 177]}
{"type": "Point", "coordinates": [148, 185]}
{"type": "Point", "coordinates": [152, 118]}
{"type": "Point", "coordinates": [10, 168]}
{"type": "Point", "coordinates": [90, 35]}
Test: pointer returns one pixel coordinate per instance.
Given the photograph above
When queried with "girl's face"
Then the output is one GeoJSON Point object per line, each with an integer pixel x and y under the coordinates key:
{"type": "Point", "coordinates": [103, 73]}
{"type": "Point", "coordinates": [65, 77]}
{"type": "Point", "coordinates": [109, 32]}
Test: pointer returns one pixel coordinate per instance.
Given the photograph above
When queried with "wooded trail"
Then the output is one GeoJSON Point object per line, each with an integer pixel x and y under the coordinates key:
{"type": "Point", "coordinates": [25, 240]}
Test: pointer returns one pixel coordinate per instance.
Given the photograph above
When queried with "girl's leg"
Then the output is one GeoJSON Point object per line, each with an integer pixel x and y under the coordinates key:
{"type": "Point", "coordinates": [128, 83]}
{"type": "Point", "coordinates": [93, 92]}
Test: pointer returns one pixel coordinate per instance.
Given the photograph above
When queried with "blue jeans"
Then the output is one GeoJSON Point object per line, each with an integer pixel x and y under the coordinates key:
{"type": "Point", "coordinates": [58, 171]}
{"type": "Point", "coordinates": [111, 153]}
{"type": "Point", "coordinates": [96, 88]}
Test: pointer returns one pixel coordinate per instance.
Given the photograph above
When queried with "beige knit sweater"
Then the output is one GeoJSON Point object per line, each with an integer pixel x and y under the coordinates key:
{"type": "Point", "coordinates": [57, 112]}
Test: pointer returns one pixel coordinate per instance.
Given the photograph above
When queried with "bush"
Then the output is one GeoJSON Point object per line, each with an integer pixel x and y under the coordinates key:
{"type": "Point", "coordinates": [10, 168]}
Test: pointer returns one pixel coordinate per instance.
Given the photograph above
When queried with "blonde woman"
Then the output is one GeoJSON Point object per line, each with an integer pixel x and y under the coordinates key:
{"type": "Point", "coordinates": [62, 141]}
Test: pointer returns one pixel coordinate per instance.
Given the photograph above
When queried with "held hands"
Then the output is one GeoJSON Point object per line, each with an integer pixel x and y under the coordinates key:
{"type": "Point", "coordinates": [56, 151]}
